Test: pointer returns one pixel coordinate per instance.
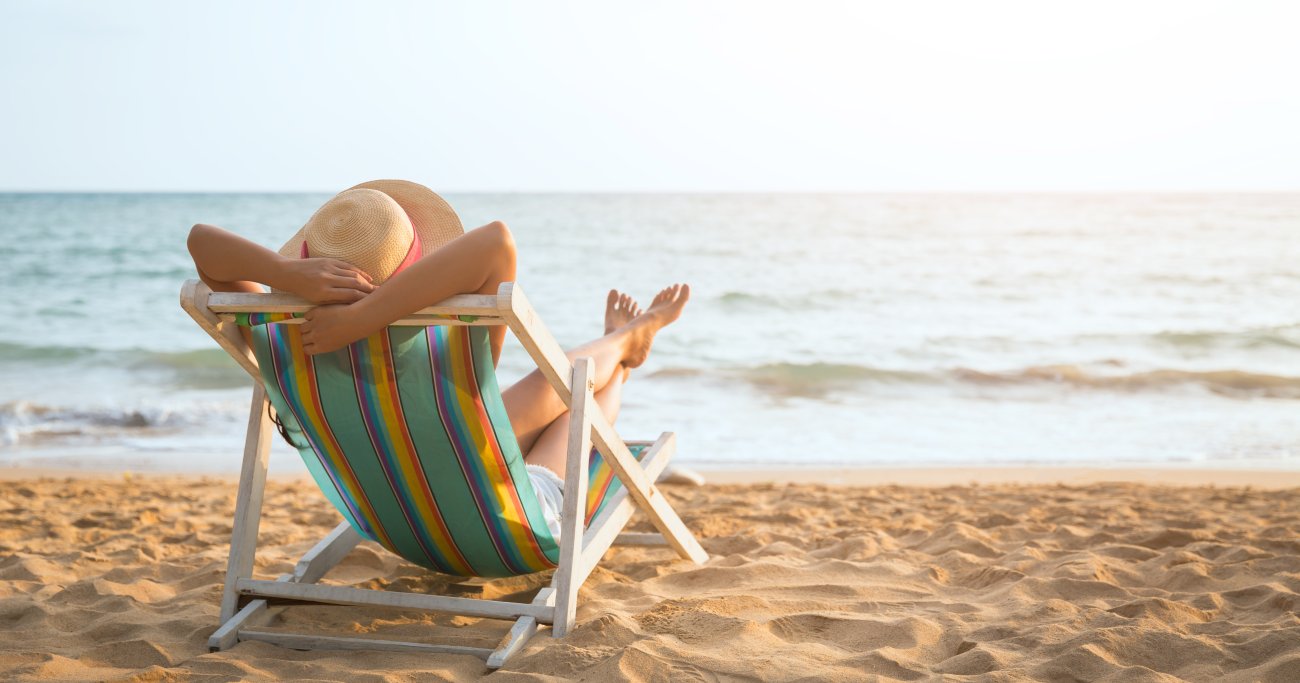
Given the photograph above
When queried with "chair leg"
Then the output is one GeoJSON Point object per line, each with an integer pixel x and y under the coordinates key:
{"type": "Point", "coordinates": [255, 613]}
{"type": "Point", "coordinates": [639, 538]}
{"type": "Point", "coordinates": [329, 551]}
{"type": "Point", "coordinates": [310, 568]}
{"type": "Point", "coordinates": [575, 497]}
{"type": "Point", "coordinates": [524, 629]}
{"type": "Point", "coordinates": [248, 503]}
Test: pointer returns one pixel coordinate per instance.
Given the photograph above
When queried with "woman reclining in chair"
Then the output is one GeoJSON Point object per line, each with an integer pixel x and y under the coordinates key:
{"type": "Point", "coordinates": [382, 250]}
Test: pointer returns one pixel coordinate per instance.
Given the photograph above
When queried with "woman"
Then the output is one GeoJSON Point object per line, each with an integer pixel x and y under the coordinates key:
{"type": "Point", "coordinates": [382, 250]}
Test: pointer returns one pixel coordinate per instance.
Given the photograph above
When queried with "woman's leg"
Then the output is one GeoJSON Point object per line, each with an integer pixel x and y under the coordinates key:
{"type": "Point", "coordinates": [533, 404]}
{"type": "Point", "coordinates": [551, 449]}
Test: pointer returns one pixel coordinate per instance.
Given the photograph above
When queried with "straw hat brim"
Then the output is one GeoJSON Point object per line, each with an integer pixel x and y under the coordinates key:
{"type": "Point", "coordinates": [431, 216]}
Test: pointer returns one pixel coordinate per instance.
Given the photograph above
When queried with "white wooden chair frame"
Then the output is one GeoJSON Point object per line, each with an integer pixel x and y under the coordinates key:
{"type": "Point", "coordinates": [247, 603]}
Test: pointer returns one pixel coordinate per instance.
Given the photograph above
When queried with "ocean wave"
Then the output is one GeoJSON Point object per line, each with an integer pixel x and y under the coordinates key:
{"type": "Point", "coordinates": [24, 421]}
{"type": "Point", "coordinates": [1182, 341]}
{"type": "Point", "coordinates": [10, 351]}
{"type": "Point", "coordinates": [814, 379]}
{"type": "Point", "coordinates": [1284, 336]}
{"type": "Point", "coordinates": [194, 369]}
{"type": "Point", "coordinates": [800, 380]}
{"type": "Point", "coordinates": [821, 299]}
{"type": "Point", "coordinates": [1236, 383]}
{"type": "Point", "coordinates": [819, 379]}
{"type": "Point", "coordinates": [745, 299]}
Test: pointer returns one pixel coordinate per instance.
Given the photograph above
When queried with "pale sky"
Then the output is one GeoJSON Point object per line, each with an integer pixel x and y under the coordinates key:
{"type": "Point", "coordinates": [661, 96]}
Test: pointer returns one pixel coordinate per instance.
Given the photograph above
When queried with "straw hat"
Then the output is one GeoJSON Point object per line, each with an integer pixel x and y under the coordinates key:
{"type": "Point", "coordinates": [380, 227]}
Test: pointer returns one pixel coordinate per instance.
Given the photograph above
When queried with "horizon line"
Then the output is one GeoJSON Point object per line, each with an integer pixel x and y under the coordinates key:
{"type": "Point", "coordinates": [1181, 191]}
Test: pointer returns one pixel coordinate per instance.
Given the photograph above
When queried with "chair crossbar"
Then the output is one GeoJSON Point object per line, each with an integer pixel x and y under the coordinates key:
{"type": "Point", "coordinates": [276, 302]}
{"type": "Point", "coordinates": [412, 321]}
{"type": "Point", "coordinates": [340, 595]}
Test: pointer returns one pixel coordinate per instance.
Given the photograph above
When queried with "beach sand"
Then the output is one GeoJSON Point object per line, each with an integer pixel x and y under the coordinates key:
{"type": "Point", "coordinates": [119, 577]}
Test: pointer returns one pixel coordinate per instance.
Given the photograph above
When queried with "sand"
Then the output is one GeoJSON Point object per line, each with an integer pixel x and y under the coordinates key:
{"type": "Point", "coordinates": [117, 578]}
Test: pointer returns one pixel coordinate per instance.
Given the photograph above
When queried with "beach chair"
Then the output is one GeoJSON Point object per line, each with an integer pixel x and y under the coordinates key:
{"type": "Point", "coordinates": [406, 434]}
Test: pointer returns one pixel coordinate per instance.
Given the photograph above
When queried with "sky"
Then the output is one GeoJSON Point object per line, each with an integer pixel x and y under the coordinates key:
{"type": "Point", "coordinates": [671, 96]}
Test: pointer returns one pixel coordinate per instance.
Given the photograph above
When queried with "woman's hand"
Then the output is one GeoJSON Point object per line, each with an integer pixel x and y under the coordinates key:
{"type": "Point", "coordinates": [325, 280]}
{"type": "Point", "coordinates": [329, 328]}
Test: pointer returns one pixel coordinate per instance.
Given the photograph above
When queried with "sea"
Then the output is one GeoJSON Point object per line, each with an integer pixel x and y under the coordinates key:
{"type": "Point", "coordinates": [823, 330]}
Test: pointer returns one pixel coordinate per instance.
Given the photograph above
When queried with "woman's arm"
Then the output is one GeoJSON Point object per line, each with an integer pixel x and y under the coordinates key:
{"type": "Point", "coordinates": [230, 263]}
{"type": "Point", "coordinates": [474, 263]}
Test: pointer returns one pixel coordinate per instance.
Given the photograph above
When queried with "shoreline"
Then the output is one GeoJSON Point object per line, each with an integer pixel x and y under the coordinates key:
{"type": "Point", "coordinates": [933, 476]}
{"type": "Point", "coordinates": [1070, 475]}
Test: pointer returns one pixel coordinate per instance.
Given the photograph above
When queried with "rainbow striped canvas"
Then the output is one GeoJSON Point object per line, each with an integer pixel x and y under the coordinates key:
{"type": "Point", "coordinates": [406, 434]}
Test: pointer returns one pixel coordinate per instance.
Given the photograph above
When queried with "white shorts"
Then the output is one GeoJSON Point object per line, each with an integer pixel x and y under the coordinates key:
{"type": "Point", "coordinates": [549, 488]}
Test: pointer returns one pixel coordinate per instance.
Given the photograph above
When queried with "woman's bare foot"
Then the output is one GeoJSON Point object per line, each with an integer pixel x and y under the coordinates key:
{"type": "Point", "coordinates": [620, 309]}
{"type": "Point", "coordinates": [666, 307]}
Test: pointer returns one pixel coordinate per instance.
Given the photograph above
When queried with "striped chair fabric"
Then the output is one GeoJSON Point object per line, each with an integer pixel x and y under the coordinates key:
{"type": "Point", "coordinates": [406, 434]}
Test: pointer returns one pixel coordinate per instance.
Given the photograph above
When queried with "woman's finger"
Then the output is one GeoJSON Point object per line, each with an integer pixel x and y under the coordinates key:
{"type": "Point", "coordinates": [349, 268]}
{"type": "Point", "coordinates": [339, 295]}
{"type": "Point", "coordinates": [348, 278]}
{"type": "Point", "coordinates": [346, 295]}
{"type": "Point", "coordinates": [351, 281]}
